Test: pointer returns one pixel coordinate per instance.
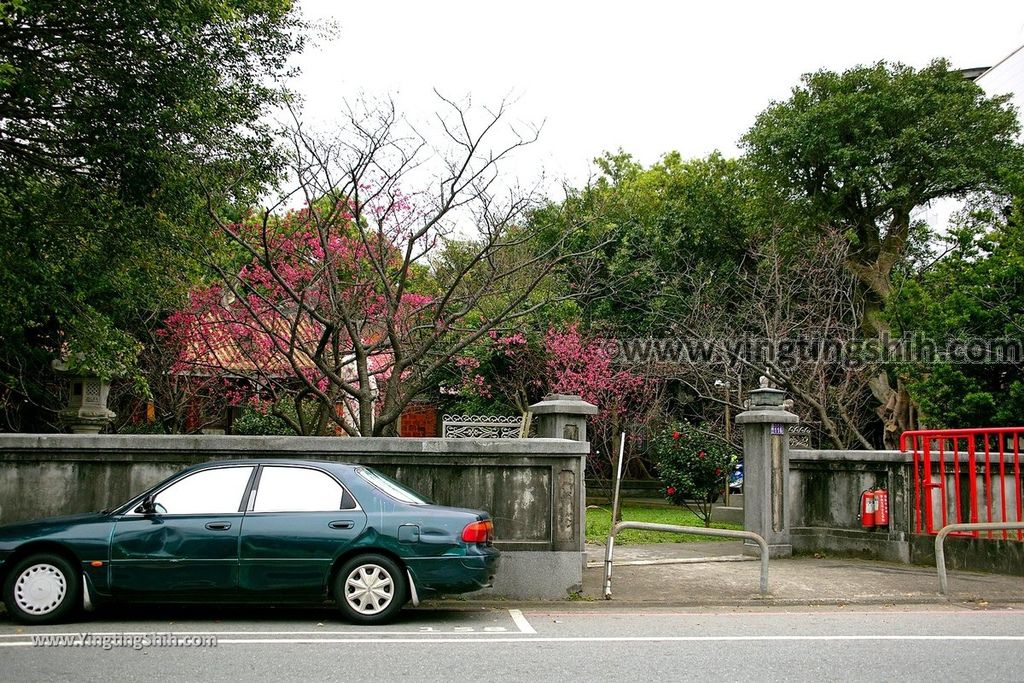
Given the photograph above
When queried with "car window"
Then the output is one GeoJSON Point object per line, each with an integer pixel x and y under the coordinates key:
{"type": "Point", "coordinates": [212, 492]}
{"type": "Point", "coordinates": [392, 487]}
{"type": "Point", "coordinates": [297, 489]}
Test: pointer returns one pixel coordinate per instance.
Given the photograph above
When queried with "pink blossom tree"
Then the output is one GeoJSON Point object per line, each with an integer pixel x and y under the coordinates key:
{"type": "Point", "coordinates": [251, 329]}
{"type": "Point", "coordinates": [518, 370]}
{"type": "Point", "coordinates": [361, 297]}
{"type": "Point", "coordinates": [626, 402]}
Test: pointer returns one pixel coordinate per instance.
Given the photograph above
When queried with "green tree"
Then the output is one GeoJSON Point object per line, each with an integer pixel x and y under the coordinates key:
{"type": "Point", "coordinates": [859, 151]}
{"type": "Point", "coordinates": [659, 233]}
{"type": "Point", "coordinates": [975, 292]}
{"type": "Point", "coordinates": [693, 466]}
{"type": "Point", "coordinates": [695, 252]}
{"type": "Point", "coordinates": [120, 122]}
{"type": "Point", "coordinates": [863, 149]}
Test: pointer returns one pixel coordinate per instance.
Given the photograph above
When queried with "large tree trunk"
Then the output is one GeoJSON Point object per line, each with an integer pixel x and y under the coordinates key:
{"type": "Point", "coordinates": [895, 408]}
{"type": "Point", "coordinates": [894, 403]}
{"type": "Point", "coordinates": [872, 264]}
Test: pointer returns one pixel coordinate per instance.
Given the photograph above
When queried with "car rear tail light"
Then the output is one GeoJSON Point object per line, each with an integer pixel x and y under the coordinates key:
{"type": "Point", "coordinates": [479, 532]}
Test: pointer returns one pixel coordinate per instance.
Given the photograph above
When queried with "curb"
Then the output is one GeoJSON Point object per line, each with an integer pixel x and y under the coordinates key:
{"type": "Point", "coordinates": [590, 602]}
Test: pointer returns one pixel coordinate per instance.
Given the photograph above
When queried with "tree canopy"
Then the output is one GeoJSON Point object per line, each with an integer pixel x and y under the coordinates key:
{"type": "Point", "coordinates": [118, 123]}
{"type": "Point", "coordinates": [658, 231]}
{"type": "Point", "coordinates": [972, 295]}
{"type": "Point", "coordinates": [862, 149]}
{"type": "Point", "coordinates": [118, 90]}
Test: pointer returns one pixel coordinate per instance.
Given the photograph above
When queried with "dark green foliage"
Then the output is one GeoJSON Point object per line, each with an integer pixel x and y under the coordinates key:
{"type": "Point", "coordinates": [116, 90]}
{"type": "Point", "coordinates": [255, 423]}
{"type": "Point", "coordinates": [871, 143]}
{"type": "Point", "coordinates": [121, 121]}
{"type": "Point", "coordinates": [860, 150]}
{"type": "Point", "coordinates": [663, 230]}
{"type": "Point", "coordinates": [976, 292]}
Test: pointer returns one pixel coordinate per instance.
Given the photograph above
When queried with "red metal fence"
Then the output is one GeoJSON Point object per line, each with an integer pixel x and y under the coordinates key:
{"type": "Point", "coordinates": [966, 475]}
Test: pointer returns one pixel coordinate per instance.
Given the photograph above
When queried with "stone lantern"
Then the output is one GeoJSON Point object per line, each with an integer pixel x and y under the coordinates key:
{"type": "Point", "coordinates": [86, 412]}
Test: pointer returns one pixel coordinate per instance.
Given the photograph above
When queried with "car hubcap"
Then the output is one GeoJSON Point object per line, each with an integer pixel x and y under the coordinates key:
{"type": "Point", "coordinates": [40, 589]}
{"type": "Point", "coordinates": [369, 589]}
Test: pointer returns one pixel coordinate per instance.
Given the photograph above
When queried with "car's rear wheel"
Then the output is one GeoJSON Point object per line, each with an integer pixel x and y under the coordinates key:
{"type": "Point", "coordinates": [42, 589]}
{"type": "Point", "coordinates": [370, 589]}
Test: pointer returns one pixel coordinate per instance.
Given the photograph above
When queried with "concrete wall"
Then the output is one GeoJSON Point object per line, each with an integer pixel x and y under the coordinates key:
{"type": "Point", "coordinates": [979, 554]}
{"type": "Point", "coordinates": [600, 491]}
{"type": "Point", "coordinates": [824, 501]}
{"type": "Point", "coordinates": [533, 488]}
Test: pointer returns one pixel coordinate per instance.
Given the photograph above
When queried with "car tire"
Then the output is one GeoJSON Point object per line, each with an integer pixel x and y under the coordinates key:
{"type": "Point", "coordinates": [370, 589]}
{"type": "Point", "coordinates": [42, 589]}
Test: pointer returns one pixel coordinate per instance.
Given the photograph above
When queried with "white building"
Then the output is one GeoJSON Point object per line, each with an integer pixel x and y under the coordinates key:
{"type": "Point", "coordinates": [1006, 77]}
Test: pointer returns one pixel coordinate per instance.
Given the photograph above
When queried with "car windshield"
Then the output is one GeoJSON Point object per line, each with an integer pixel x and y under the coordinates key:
{"type": "Point", "coordinates": [392, 487]}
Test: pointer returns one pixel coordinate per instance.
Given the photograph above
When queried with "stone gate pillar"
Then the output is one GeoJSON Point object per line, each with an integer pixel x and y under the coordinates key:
{"type": "Point", "coordinates": [766, 424]}
{"type": "Point", "coordinates": [562, 416]}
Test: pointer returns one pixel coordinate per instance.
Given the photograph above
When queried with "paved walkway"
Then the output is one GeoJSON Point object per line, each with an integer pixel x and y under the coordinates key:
{"type": "Point", "coordinates": [717, 574]}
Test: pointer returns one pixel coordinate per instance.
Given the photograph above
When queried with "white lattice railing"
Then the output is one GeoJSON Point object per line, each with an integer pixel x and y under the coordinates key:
{"type": "Point", "coordinates": [481, 426]}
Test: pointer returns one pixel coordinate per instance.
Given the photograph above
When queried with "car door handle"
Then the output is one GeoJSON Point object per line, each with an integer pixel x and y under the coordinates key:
{"type": "Point", "coordinates": [342, 524]}
{"type": "Point", "coordinates": [218, 526]}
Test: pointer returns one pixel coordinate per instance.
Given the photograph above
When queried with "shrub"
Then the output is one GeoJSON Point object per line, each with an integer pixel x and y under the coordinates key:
{"type": "Point", "coordinates": [692, 465]}
{"type": "Point", "coordinates": [253, 422]}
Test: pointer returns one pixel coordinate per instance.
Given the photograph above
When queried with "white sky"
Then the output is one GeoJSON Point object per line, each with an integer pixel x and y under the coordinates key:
{"type": "Point", "coordinates": [648, 77]}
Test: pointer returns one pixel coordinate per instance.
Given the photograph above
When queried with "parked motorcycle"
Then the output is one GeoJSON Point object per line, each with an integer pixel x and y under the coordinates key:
{"type": "Point", "coordinates": [736, 478]}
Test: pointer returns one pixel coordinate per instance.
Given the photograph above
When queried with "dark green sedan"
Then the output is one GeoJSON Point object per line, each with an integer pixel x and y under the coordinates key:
{"type": "Point", "coordinates": [243, 531]}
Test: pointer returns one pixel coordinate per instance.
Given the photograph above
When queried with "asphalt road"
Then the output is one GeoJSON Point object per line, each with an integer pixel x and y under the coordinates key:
{"type": "Point", "coordinates": [564, 643]}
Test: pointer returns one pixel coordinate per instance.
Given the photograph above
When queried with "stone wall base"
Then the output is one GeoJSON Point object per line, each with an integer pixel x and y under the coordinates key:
{"type": "Point", "coordinates": [536, 575]}
{"type": "Point", "coordinates": [875, 545]}
{"type": "Point", "coordinates": [973, 554]}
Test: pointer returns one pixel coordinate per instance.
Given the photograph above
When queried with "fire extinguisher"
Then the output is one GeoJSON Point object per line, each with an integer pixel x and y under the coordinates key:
{"type": "Point", "coordinates": [867, 509]}
{"type": "Point", "coordinates": [881, 507]}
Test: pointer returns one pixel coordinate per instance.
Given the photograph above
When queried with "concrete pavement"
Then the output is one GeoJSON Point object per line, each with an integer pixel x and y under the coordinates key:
{"type": "Point", "coordinates": [718, 574]}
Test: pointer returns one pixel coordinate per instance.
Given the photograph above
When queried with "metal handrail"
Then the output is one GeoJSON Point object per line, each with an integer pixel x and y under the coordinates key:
{"type": "Point", "coordinates": [672, 528]}
{"type": "Point", "coordinates": [940, 539]}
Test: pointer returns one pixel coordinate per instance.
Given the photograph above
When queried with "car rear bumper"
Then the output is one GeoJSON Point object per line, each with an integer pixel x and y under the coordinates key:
{"type": "Point", "coordinates": [455, 574]}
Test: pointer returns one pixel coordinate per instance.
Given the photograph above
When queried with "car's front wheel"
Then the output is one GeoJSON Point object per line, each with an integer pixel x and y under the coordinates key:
{"type": "Point", "coordinates": [42, 589]}
{"type": "Point", "coordinates": [370, 589]}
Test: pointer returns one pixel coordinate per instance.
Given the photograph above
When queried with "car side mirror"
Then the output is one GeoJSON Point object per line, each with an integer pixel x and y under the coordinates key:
{"type": "Point", "coordinates": [148, 507]}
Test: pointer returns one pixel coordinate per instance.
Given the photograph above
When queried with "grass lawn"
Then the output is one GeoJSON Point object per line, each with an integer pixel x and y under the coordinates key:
{"type": "Point", "coordinates": [599, 523]}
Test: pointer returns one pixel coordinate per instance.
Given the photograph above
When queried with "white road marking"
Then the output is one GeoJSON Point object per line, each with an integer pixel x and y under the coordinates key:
{"type": "Point", "coordinates": [594, 639]}
{"type": "Point", "coordinates": [521, 622]}
{"type": "Point", "coordinates": [613, 639]}
{"type": "Point", "coordinates": [427, 631]}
